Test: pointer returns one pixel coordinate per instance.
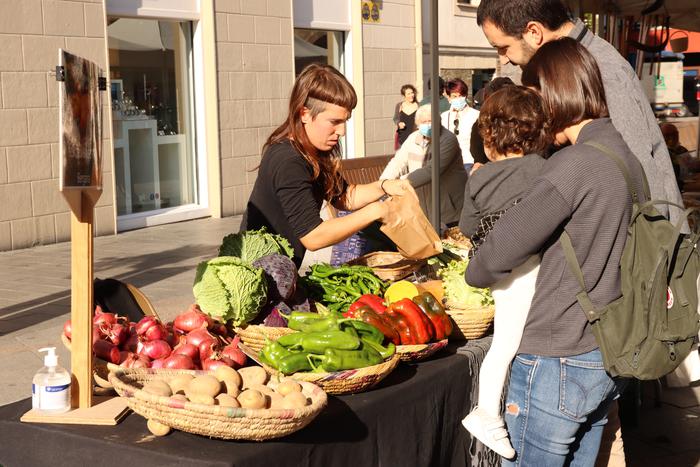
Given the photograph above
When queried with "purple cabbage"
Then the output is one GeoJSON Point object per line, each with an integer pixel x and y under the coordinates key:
{"type": "Point", "coordinates": [271, 315]}
{"type": "Point", "coordinates": [281, 275]}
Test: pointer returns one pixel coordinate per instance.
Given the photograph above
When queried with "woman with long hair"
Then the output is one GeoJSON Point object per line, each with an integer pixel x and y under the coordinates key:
{"type": "Point", "coordinates": [559, 391]}
{"type": "Point", "coordinates": [300, 168]}
{"type": "Point", "coordinates": [405, 114]}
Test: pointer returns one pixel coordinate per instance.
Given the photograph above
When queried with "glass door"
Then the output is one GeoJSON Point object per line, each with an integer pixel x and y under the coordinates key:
{"type": "Point", "coordinates": [152, 116]}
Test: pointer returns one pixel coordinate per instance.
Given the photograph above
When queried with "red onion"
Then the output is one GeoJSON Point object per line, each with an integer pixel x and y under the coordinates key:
{"type": "Point", "coordinates": [97, 334]}
{"type": "Point", "coordinates": [158, 363]}
{"type": "Point", "coordinates": [132, 343]}
{"type": "Point", "coordinates": [234, 353]}
{"type": "Point", "coordinates": [214, 363]}
{"type": "Point", "coordinates": [155, 349]}
{"type": "Point", "coordinates": [206, 350]}
{"type": "Point", "coordinates": [187, 349]}
{"type": "Point", "coordinates": [179, 361]}
{"type": "Point", "coordinates": [124, 356]}
{"type": "Point", "coordinates": [220, 329]}
{"type": "Point", "coordinates": [198, 336]}
{"type": "Point", "coordinates": [145, 323]}
{"type": "Point", "coordinates": [106, 351]}
{"type": "Point", "coordinates": [67, 329]}
{"type": "Point", "coordinates": [118, 334]}
{"type": "Point", "coordinates": [140, 363]}
{"type": "Point", "coordinates": [104, 318]}
{"type": "Point", "coordinates": [192, 319]}
{"type": "Point", "coordinates": [156, 332]}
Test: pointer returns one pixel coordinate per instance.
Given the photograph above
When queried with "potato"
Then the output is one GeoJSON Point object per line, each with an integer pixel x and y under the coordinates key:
{"type": "Point", "coordinates": [157, 428]}
{"type": "Point", "coordinates": [262, 388]}
{"type": "Point", "coordinates": [205, 385]}
{"type": "Point", "coordinates": [294, 400]}
{"type": "Point", "coordinates": [158, 388]}
{"type": "Point", "coordinates": [230, 379]}
{"type": "Point", "coordinates": [179, 383]}
{"type": "Point", "coordinates": [227, 400]}
{"type": "Point", "coordinates": [288, 386]}
{"type": "Point", "coordinates": [252, 399]}
{"type": "Point", "coordinates": [202, 399]}
{"type": "Point", "coordinates": [274, 400]}
{"type": "Point", "coordinates": [253, 375]}
{"type": "Point", "coordinates": [179, 397]}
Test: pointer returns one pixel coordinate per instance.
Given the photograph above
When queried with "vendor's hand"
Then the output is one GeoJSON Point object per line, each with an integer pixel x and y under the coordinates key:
{"type": "Point", "coordinates": [402, 125]}
{"type": "Point", "coordinates": [398, 188]}
{"type": "Point", "coordinates": [381, 212]}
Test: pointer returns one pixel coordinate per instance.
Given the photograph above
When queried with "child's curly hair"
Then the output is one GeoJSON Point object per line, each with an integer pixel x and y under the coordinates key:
{"type": "Point", "coordinates": [512, 121]}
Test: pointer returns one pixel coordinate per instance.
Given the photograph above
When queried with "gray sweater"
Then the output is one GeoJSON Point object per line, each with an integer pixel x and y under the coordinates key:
{"type": "Point", "coordinates": [582, 191]}
{"type": "Point", "coordinates": [495, 187]}
{"type": "Point", "coordinates": [632, 116]}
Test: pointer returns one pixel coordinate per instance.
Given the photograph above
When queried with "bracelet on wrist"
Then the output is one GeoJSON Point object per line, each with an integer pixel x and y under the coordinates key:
{"type": "Point", "coordinates": [381, 185]}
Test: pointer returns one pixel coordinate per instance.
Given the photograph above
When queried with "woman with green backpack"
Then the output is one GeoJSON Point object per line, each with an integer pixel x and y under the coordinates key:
{"type": "Point", "coordinates": [559, 391]}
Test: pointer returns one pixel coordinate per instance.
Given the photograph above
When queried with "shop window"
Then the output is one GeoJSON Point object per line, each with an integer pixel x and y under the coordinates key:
{"type": "Point", "coordinates": [152, 111]}
{"type": "Point", "coordinates": [318, 46]}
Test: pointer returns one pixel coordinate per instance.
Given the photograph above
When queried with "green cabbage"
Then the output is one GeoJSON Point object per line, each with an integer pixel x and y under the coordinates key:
{"type": "Point", "coordinates": [458, 291]}
{"type": "Point", "coordinates": [253, 244]}
{"type": "Point", "coordinates": [230, 289]}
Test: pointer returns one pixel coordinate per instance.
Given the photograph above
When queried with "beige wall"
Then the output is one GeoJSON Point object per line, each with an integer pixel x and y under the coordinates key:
{"type": "Point", "coordinates": [32, 211]}
{"type": "Point", "coordinates": [255, 75]}
{"type": "Point", "coordinates": [389, 63]}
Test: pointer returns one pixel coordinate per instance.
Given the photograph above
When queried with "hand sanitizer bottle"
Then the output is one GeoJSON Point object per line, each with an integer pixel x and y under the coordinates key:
{"type": "Point", "coordinates": [51, 385]}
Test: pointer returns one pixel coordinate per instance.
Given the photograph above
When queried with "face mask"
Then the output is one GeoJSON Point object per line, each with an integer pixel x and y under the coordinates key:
{"type": "Point", "coordinates": [425, 129]}
{"type": "Point", "coordinates": [458, 103]}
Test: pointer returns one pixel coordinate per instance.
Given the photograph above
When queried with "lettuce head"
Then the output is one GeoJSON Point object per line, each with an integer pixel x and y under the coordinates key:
{"type": "Point", "coordinates": [230, 289]}
{"type": "Point", "coordinates": [458, 291]}
{"type": "Point", "coordinates": [250, 245]}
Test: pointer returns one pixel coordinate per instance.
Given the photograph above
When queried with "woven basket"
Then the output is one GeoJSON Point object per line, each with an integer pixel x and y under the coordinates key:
{"type": "Point", "coordinates": [347, 381]}
{"type": "Point", "coordinates": [254, 335]}
{"type": "Point", "coordinates": [213, 420]}
{"type": "Point", "coordinates": [470, 323]}
{"type": "Point", "coordinates": [388, 265]}
{"type": "Point", "coordinates": [416, 353]}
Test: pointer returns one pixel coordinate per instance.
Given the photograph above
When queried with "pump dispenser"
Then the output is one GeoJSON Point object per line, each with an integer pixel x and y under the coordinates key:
{"type": "Point", "coordinates": [51, 385]}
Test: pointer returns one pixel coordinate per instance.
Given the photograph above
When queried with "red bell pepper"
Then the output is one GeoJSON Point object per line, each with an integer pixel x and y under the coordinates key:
{"type": "Point", "coordinates": [434, 310]}
{"type": "Point", "coordinates": [399, 323]}
{"type": "Point", "coordinates": [421, 327]}
{"type": "Point", "coordinates": [367, 315]}
{"type": "Point", "coordinates": [375, 302]}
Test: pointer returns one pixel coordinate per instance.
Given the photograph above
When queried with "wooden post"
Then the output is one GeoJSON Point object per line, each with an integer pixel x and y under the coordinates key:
{"type": "Point", "coordinates": [82, 204]}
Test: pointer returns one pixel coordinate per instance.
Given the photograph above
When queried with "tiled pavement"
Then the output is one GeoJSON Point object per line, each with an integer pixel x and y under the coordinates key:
{"type": "Point", "coordinates": [35, 302]}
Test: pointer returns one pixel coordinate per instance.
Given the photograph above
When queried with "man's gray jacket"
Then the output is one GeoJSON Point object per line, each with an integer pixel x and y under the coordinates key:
{"type": "Point", "coordinates": [632, 116]}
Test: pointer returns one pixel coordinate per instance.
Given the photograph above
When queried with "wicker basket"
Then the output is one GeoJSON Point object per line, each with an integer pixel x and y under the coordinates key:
{"type": "Point", "coordinates": [470, 323]}
{"type": "Point", "coordinates": [254, 335]}
{"type": "Point", "coordinates": [213, 420]}
{"type": "Point", "coordinates": [347, 381]}
{"type": "Point", "coordinates": [388, 265]}
{"type": "Point", "coordinates": [416, 353]}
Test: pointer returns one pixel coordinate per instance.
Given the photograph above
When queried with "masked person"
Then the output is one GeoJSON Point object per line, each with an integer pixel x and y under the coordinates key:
{"type": "Point", "coordinates": [300, 168]}
{"type": "Point", "coordinates": [460, 118]}
{"type": "Point", "coordinates": [413, 162]}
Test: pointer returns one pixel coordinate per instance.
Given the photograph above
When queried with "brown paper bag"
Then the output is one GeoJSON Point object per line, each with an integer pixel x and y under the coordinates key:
{"type": "Point", "coordinates": [409, 229]}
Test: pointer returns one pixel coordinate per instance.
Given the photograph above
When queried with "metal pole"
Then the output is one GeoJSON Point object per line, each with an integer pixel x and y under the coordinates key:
{"type": "Point", "coordinates": [435, 107]}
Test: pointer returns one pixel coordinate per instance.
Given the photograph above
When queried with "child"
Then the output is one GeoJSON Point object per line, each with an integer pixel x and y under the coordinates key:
{"type": "Point", "coordinates": [512, 125]}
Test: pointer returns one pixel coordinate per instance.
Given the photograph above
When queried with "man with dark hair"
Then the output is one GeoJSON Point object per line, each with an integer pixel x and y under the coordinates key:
{"type": "Point", "coordinates": [443, 103]}
{"type": "Point", "coordinates": [519, 29]}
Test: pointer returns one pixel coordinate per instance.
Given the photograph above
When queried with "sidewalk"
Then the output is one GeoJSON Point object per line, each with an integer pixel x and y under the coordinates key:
{"type": "Point", "coordinates": [161, 260]}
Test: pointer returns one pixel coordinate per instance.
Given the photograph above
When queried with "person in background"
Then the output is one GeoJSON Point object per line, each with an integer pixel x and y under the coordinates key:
{"type": "Point", "coordinates": [678, 153]}
{"type": "Point", "coordinates": [559, 393]}
{"type": "Point", "coordinates": [300, 168]}
{"type": "Point", "coordinates": [405, 113]}
{"type": "Point", "coordinates": [413, 162]}
{"type": "Point", "coordinates": [460, 118]}
{"type": "Point", "coordinates": [476, 143]}
{"type": "Point", "coordinates": [444, 103]}
{"type": "Point", "coordinates": [514, 128]}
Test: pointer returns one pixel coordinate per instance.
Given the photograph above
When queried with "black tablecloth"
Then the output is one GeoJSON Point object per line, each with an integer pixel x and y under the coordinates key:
{"type": "Point", "coordinates": [412, 418]}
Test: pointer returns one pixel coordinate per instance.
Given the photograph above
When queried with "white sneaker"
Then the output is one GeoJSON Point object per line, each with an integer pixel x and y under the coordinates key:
{"type": "Point", "coordinates": [490, 431]}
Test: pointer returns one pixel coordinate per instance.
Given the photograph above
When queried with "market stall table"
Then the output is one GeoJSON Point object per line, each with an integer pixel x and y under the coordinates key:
{"type": "Point", "coordinates": [412, 418]}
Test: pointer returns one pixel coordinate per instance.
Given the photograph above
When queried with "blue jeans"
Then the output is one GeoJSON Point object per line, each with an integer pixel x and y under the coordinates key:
{"type": "Point", "coordinates": [556, 409]}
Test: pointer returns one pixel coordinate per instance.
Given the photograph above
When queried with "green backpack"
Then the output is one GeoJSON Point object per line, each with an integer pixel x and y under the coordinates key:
{"type": "Point", "coordinates": [650, 329]}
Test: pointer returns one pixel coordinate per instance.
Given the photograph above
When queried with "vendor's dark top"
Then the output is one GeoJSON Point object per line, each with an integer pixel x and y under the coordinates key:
{"type": "Point", "coordinates": [495, 187]}
{"type": "Point", "coordinates": [285, 199]}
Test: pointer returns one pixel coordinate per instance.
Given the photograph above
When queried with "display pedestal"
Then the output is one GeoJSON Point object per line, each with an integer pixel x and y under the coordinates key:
{"type": "Point", "coordinates": [107, 411]}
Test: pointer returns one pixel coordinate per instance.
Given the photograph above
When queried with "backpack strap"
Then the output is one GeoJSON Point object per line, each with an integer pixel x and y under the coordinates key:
{"type": "Point", "coordinates": [582, 297]}
{"type": "Point", "coordinates": [623, 168]}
